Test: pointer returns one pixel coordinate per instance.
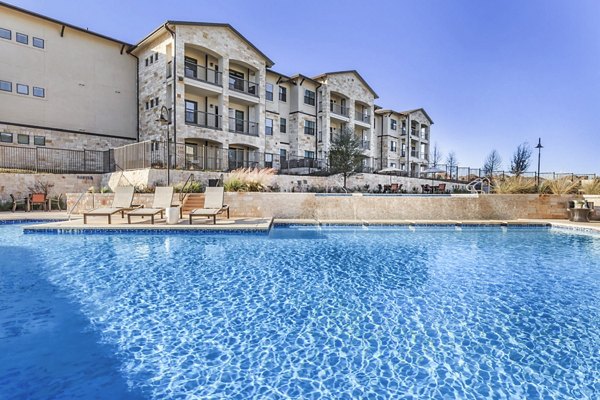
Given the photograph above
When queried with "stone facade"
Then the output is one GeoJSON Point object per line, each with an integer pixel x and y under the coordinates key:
{"type": "Point", "coordinates": [19, 184]}
{"type": "Point", "coordinates": [60, 139]}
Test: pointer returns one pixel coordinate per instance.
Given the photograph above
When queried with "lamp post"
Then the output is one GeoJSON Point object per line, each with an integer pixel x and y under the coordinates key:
{"type": "Point", "coordinates": [539, 147]}
{"type": "Point", "coordinates": [165, 120]}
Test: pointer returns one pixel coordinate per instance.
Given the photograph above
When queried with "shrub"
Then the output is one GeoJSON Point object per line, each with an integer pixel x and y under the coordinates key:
{"type": "Point", "coordinates": [559, 186]}
{"type": "Point", "coordinates": [515, 185]}
{"type": "Point", "coordinates": [249, 180]}
{"type": "Point", "coordinates": [192, 187]}
{"type": "Point", "coordinates": [591, 186]}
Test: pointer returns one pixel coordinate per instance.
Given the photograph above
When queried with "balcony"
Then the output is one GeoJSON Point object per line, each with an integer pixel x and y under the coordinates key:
{"type": "Point", "coordinates": [243, 86]}
{"type": "Point", "coordinates": [414, 132]}
{"type": "Point", "coordinates": [339, 110]}
{"type": "Point", "coordinates": [414, 154]}
{"type": "Point", "coordinates": [169, 69]}
{"type": "Point", "coordinates": [424, 136]}
{"type": "Point", "coordinates": [203, 74]}
{"type": "Point", "coordinates": [204, 120]}
{"type": "Point", "coordinates": [364, 145]}
{"type": "Point", "coordinates": [243, 126]}
{"type": "Point", "coordinates": [362, 117]}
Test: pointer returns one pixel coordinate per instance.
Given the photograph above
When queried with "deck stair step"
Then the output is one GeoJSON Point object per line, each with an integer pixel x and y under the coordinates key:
{"type": "Point", "coordinates": [192, 201]}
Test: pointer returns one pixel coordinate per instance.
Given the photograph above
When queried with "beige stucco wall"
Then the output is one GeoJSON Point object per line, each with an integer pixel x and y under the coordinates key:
{"type": "Point", "coordinates": [359, 207]}
{"type": "Point", "coordinates": [89, 85]}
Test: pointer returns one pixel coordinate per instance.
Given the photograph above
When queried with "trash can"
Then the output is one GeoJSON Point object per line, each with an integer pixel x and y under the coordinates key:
{"type": "Point", "coordinates": [213, 182]}
{"type": "Point", "coordinates": [172, 215]}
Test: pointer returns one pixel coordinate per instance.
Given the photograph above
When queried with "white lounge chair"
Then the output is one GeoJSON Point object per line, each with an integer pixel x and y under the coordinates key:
{"type": "Point", "coordinates": [213, 204]}
{"type": "Point", "coordinates": [121, 203]}
{"type": "Point", "coordinates": [163, 199]}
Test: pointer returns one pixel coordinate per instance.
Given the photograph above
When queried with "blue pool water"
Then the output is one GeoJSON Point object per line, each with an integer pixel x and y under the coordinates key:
{"type": "Point", "coordinates": [338, 313]}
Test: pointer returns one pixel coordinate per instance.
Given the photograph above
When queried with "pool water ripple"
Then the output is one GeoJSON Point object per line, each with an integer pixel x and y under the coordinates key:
{"type": "Point", "coordinates": [352, 313]}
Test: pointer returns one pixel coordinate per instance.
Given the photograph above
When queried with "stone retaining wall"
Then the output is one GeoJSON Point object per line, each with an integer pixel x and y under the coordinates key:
{"type": "Point", "coordinates": [19, 184]}
{"type": "Point", "coordinates": [372, 207]}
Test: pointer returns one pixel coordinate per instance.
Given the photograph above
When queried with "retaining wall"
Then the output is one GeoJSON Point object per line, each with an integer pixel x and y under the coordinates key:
{"type": "Point", "coordinates": [372, 207]}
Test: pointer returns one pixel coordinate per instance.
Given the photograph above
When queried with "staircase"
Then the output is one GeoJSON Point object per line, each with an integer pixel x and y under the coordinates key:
{"type": "Point", "coordinates": [191, 202]}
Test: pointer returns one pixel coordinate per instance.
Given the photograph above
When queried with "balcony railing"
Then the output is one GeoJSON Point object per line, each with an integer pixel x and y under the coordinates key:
{"type": "Point", "coordinates": [414, 132]}
{"type": "Point", "coordinates": [169, 69]}
{"type": "Point", "coordinates": [338, 109]}
{"type": "Point", "coordinates": [362, 117]}
{"type": "Point", "coordinates": [364, 145]}
{"type": "Point", "coordinates": [205, 120]}
{"type": "Point", "coordinates": [242, 126]}
{"type": "Point", "coordinates": [414, 154]}
{"type": "Point", "coordinates": [200, 73]}
{"type": "Point", "coordinates": [243, 86]}
{"type": "Point", "coordinates": [424, 136]}
{"type": "Point", "coordinates": [239, 158]}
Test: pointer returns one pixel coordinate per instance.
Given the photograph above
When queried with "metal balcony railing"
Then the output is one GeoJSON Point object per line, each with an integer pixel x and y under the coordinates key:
{"type": "Point", "coordinates": [205, 120]}
{"type": "Point", "coordinates": [169, 69]}
{"type": "Point", "coordinates": [242, 126]}
{"type": "Point", "coordinates": [243, 86]}
{"type": "Point", "coordinates": [365, 145]}
{"type": "Point", "coordinates": [338, 109]}
{"type": "Point", "coordinates": [414, 154]}
{"type": "Point", "coordinates": [362, 117]}
{"type": "Point", "coordinates": [200, 73]}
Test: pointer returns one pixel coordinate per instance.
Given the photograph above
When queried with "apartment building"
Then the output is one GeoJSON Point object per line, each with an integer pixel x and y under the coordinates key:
{"type": "Point", "coordinates": [403, 139]}
{"type": "Point", "coordinates": [63, 86]}
{"type": "Point", "coordinates": [225, 105]}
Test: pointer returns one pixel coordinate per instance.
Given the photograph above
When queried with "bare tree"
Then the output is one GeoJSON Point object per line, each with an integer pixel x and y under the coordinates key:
{"type": "Point", "coordinates": [451, 162]}
{"type": "Point", "coordinates": [345, 156]}
{"type": "Point", "coordinates": [436, 155]}
{"type": "Point", "coordinates": [521, 159]}
{"type": "Point", "coordinates": [492, 163]}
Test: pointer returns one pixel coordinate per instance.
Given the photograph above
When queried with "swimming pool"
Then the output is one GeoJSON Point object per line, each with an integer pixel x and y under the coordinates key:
{"type": "Point", "coordinates": [301, 313]}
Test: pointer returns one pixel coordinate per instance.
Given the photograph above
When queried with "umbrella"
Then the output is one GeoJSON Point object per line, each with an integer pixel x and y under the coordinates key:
{"type": "Point", "coordinates": [433, 170]}
{"type": "Point", "coordinates": [391, 171]}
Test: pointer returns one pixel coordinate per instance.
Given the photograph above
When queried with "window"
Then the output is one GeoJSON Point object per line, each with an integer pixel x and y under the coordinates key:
{"type": "Point", "coordinates": [393, 145]}
{"type": "Point", "coordinates": [22, 89]}
{"type": "Point", "coordinates": [6, 137]}
{"type": "Point", "coordinates": [309, 154]}
{"type": "Point", "coordinates": [282, 125]}
{"type": "Point", "coordinates": [5, 34]}
{"type": "Point", "coordinates": [268, 160]}
{"type": "Point", "coordinates": [147, 105]}
{"type": "Point", "coordinates": [191, 67]}
{"type": "Point", "coordinates": [309, 127]}
{"type": "Point", "coordinates": [6, 86]}
{"type": "Point", "coordinates": [269, 126]}
{"type": "Point", "coordinates": [39, 140]}
{"type": "Point", "coordinates": [403, 154]}
{"type": "Point", "coordinates": [191, 115]}
{"type": "Point", "coordinates": [282, 155]}
{"type": "Point", "coordinates": [152, 103]}
{"type": "Point", "coordinates": [156, 101]}
{"type": "Point", "coordinates": [393, 124]}
{"type": "Point", "coordinates": [155, 56]}
{"type": "Point", "coordinates": [393, 165]}
{"type": "Point", "coordinates": [309, 97]}
{"type": "Point", "coordinates": [282, 93]}
{"type": "Point", "coordinates": [37, 42]}
{"type": "Point", "coordinates": [22, 139]}
{"type": "Point", "coordinates": [39, 92]}
{"type": "Point", "coordinates": [22, 38]}
{"type": "Point", "coordinates": [146, 62]}
{"type": "Point", "coordinates": [269, 88]}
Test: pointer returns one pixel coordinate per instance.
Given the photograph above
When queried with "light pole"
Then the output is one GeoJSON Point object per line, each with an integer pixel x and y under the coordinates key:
{"type": "Point", "coordinates": [539, 147]}
{"type": "Point", "coordinates": [165, 120]}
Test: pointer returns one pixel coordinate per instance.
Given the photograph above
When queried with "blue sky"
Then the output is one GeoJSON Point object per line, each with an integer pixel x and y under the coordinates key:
{"type": "Point", "coordinates": [492, 74]}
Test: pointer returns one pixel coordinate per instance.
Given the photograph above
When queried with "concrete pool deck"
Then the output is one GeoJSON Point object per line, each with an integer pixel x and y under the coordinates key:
{"type": "Point", "coordinates": [58, 220]}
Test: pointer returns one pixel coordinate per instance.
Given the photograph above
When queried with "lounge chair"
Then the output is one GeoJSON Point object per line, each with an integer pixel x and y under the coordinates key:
{"type": "Point", "coordinates": [213, 204]}
{"type": "Point", "coordinates": [163, 198]}
{"type": "Point", "coordinates": [121, 203]}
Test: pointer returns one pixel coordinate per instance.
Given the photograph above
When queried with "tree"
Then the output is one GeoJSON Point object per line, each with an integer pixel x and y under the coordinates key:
{"type": "Point", "coordinates": [345, 155]}
{"type": "Point", "coordinates": [521, 159]}
{"type": "Point", "coordinates": [451, 162]}
{"type": "Point", "coordinates": [492, 163]}
{"type": "Point", "coordinates": [436, 156]}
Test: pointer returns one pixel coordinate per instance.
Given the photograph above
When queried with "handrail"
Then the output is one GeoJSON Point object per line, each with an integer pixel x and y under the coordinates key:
{"type": "Point", "coordinates": [75, 205]}
{"type": "Point", "coordinates": [122, 176]}
{"type": "Point", "coordinates": [183, 193]}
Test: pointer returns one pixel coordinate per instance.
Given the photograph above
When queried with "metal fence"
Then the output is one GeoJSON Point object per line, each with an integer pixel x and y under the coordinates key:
{"type": "Point", "coordinates": [55, 161]}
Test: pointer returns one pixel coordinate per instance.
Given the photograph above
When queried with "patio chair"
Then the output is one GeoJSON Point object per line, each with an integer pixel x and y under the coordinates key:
{"type": "Point", "coordinates": [163, 199]}
{"type": "Point", "coordinates": [425, 188]}
{"type": "Point", "coordinates": [37, 199]}
{"type": "Point", "coordinates": [213, 205]}
{"type": "Point", "coordinates": [441, 188]}
{"type": "Point", "coordinates": [18, 202]}
{"type": "Point", "coordinates": [121, 203]}
{"type": "Point", "coordinates": [394, 188]}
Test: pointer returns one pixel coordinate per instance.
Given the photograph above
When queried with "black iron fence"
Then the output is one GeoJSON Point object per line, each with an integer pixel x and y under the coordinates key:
{"type": "Point", "coordinates": [55, 161]}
